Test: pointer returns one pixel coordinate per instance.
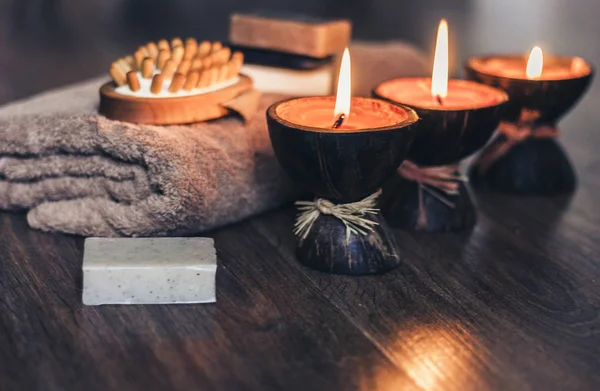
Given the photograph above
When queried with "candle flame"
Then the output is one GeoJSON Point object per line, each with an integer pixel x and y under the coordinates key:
{"type": "Point", "coordinates": [578, 65]}
{"type": "Point", "coordinates": [342, 98]}
{"type": "Point", "coordinates": [439, 79]}
{"type": "Point", "coordinates": [535, 64]}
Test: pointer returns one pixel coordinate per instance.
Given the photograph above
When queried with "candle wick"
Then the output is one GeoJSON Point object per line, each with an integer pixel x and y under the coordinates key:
{"type": "Point", "coordinates": [338, 122]}
{"type": "Point", "coordinates": [439, 100]}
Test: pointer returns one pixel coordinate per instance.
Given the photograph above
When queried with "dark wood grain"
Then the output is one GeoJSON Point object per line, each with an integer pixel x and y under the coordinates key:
{"type": "Point", "coordinates": [513, 304]}
{"type": "Point", "coordinates": [254, 336]}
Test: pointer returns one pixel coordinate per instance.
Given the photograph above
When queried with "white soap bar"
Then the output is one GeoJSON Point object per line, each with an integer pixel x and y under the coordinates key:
{"type": "Point", "coordinates": [290, 81]}
{"type": "Point", "coordinates": [149, 271]}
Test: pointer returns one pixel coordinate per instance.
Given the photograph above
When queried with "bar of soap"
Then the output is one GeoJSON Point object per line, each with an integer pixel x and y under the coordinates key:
{"type": "Point", "coordinates": [296, 34]}
{"type": "Point", "coordinates": [149, 271]}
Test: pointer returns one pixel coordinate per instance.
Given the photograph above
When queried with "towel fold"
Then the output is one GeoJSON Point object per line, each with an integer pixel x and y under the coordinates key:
{"type": "Point", "coordinates": [80, 173]}
{"type": "Point", "coordinates": [85, 174]}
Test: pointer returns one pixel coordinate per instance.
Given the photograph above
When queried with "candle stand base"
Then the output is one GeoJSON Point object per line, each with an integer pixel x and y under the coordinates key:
{"type": "Point", "coordinates": [410, 206]}
{"type": "Point", "coordinates": [326, 248]}
{"type": "Point", "coordinates": [535, 166]}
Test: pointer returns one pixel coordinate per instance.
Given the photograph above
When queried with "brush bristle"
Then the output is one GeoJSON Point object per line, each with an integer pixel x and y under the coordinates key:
{"type": "Point", "coordinates": [204, 63]}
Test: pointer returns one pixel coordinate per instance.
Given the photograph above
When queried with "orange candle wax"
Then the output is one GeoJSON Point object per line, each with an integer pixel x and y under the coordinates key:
{"type": "Point", "coordinates": [462, 94]}
{"type": "Point", "coordinates": [316, 114]}
{"type": "Point", "coordinates": [515, 66]}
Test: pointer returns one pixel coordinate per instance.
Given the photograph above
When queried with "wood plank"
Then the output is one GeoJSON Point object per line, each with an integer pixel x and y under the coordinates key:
{"type": "Point", "coordinates": [489, 310]}
{"type": "Point", "coordinates": [270, 328]}
{"type": "Point", "coordinates": [512, 305]}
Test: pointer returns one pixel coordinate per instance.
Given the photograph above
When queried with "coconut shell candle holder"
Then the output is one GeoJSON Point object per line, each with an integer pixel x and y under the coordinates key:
{"type": "Point", "coordinates": [341, 231]}
{"type": "Point", "coordinates": [457, 118]}
{"type": "Point", "coordinates": [429, 194]}
{"type": "Point", "coordinates": [526, 157]}
{"type": "Point", "coordinates": [175, 82]}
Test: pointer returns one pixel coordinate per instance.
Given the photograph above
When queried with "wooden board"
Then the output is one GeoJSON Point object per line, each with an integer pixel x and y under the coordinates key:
{"type": "Point", "coordinates": [514, 305]}
{"type": "Point", "coordinates": [169, 111]}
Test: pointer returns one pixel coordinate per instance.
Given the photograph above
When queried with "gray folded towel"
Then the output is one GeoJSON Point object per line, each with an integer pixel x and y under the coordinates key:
{"type": "Point", "coordinates": [80, 173]}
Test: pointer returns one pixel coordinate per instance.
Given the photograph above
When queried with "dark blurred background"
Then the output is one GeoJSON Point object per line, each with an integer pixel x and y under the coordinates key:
{"type": "Point", "coordinates": [48, 43]}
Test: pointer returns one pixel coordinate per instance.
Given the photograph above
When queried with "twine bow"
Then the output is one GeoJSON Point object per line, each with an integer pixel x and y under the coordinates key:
{"type": "Point", "coordinates": [514, 133]}
{"type": "Point", "coordinates": [443, 178]}
{"type": "Point", "coordinates": [353, 215]}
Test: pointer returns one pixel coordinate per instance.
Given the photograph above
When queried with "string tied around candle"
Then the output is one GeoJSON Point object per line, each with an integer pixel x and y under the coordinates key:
{"type": "Point", "coordinates": [514, 133]}
{"type": "Point", "coordinates": [354, 215]}
{"type": "Point", "coordinates": [445, 179]}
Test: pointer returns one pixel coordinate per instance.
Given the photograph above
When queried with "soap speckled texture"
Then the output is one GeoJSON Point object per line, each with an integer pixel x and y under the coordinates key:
{"type": "Point", "coordinates": [149, 271]}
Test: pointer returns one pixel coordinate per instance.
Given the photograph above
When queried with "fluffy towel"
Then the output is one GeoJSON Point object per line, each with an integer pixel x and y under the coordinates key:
{"type": "Point", "coordinates": [81, 173]}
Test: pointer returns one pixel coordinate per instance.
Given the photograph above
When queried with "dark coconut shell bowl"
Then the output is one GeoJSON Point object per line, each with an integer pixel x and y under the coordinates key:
{"type": "Point", "coordinates": [343, 166]}
{"type": "Point", "coordinates": [535, 166]}
{"type": "Point", "coordinates": [445, 137]}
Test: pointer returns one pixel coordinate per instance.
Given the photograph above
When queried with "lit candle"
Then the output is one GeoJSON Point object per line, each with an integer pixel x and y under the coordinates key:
{"type": "Point", "coordinates": [457, 118]}
{"type": "Point", "coordinates": [525, 158]}
{"type": "Point", "coordinates": [437, 92]}
{"type": "Point", "coordinates": [343, 149]}
{"type": "Point", "coordinates": [535, 66]}
{"type": "Point", "coordinates": [342, 113]}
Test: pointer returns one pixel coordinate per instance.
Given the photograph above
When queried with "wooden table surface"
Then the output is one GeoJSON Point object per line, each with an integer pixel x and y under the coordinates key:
{"type": "Point", "coordinates": [512, 305]}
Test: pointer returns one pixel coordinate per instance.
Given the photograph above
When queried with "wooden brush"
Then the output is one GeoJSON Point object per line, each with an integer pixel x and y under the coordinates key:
{"type": "Point", "coordinates": [139, 58]}
{"type": "Point", "coordinates": [197, 63]}
{"type": "Point", "coordinates": [133, 81]}
{"type": "Point", "coordinates": [157, 83]}
{"type": "Point", "coordinates": [191, 49]}
{"type": "Point", "coordinates": [207, 62]}
{"type": "Point", "coordinates": [223, 55]}
{"type": "Point", "coordinates": [117, 75]}
{"type": "Point", "coordinates": [163, 44]}
{"type": "Point", "coordinates": [216, 46]}
{"type": "Point", "coordinates": [176, 42]}
{"type": "Point", "coordinates": [214, 75]}
{"type": "Point", "coordinates": [203, 49]}
{"type": "Point", "coordinates": [191, 81]}
{"type": "Point", "coordinates": [222, 73]}
{"type": "Point", "coordinates": [152, 50]}
{"type": "Point", "coordinates": [122, 65]}
{"type": "Point", "coordinates": [163, 56]}
{"type": "Point", "coordinates": [169, 69]}
{"type": "Point", "coordinates": [177, 83]}
{"type": "Point", "coordinates": [184, 65]}
{"type": "Point", "coordinates": [177, 53]}
{"type": "Point", "coordinates": [147, 68]}
{"type": "Point", "coordinates": [204, 80]}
